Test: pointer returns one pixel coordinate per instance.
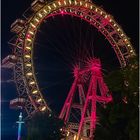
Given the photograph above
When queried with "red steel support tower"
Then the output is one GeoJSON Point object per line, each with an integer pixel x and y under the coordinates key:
{"type": "Point", "coordinates": [79, 110]}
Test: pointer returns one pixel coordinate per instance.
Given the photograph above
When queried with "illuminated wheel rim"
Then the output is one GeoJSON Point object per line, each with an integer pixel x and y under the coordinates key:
{"type": "Point", "coordinates": [24, 69]}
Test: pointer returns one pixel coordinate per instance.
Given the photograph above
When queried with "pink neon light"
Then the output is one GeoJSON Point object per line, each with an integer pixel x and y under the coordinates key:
{"type": "Point", "coordinates": [105, 21]}
{"type": "Point", "coordinates": [62, 12]}
{"type": "Point", "coordinates": [92, 66]}
{"type": "Point", "coordinates": [81, 16]}
{"type": "Point", "coordinates": [76, 71]}
{"type": "Point", "coordinates": [28, 35]}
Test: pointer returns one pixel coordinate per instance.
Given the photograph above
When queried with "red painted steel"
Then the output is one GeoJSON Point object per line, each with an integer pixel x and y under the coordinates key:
{"type": "Point", "coordinates": [89, 98]}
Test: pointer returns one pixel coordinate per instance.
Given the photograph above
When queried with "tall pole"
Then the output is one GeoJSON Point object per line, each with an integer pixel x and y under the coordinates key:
{"type": "Point", "coordinates": [20, 122]}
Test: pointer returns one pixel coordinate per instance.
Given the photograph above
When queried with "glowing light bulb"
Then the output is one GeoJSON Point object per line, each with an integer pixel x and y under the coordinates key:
{"type": "Point", "coordinates": [118, 29]}
{"type": "Point", "coordinates": [35, 91]}
{"type": "Point", "coordinates": [28, 48]}
{"type": "Point", "coordinates": [28, 65]}
{"type": "Point", "coordinates": [59, 2]}
{"type": "Point", "coordinates": [33, 25]}
{"type": "Point", "coordinates": [105, 16]}
{"type": "Point", "coordinates": [29, 74]}
{"type": "Point", "coordinates": [28, 39]}
{"type": "Point", "coordinates": [49, 7]}
{"type": "Point", "coordinates": [31, 83]}
{"type": "Point", "coordinates": [40, 15]}
{"type": "Point", "coordinates": [68, 133]}
{"type": "Point", "coordinates": [45, 11]}
{"type": "Point", "coordinates": [39, 100]}
{"type": "Point", "coordinates": [74, 137]}
{"type": "Point", "coordinates": [75, 2]}
{"type": "Point", "coordinates": [65, 2]}
{"type": "Point", "coordinates": [114, 25]}
{"type": "Point", "coordinates": [54, 5]}
{"type": "Point", "coordinates": [31, 32]}
{"type": "Point", "coordinates": [69, 1]}
{"type": "Point", "coordinates": [43, 108]}
{"type": "Point", "coordinates": [91, 7]}
{"type": "Point", "coordinates": [28, 35]}
{"type": "Point", "coordinates": [36, 21]}
{"type": "Point", "coordinates": [62, 12]}
{"type": "Point", "coordinates": [27, 56]}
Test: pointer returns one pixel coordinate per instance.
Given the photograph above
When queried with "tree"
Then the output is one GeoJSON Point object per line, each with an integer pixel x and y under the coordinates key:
{"type": "Point", "coordinates": [119, 121]}
{"type": "Point", "coordinates": [44, 126]}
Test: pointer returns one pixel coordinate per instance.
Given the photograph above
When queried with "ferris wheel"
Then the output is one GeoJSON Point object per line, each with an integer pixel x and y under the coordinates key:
{"type": "Point", "coordinates": [22, 58]}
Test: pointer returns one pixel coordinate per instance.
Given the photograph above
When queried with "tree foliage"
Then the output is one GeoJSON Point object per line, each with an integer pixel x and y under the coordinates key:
{"type": "Point", "coordinates": [119, 121]}
{"type": "Point", "coordinates": [44, 126]}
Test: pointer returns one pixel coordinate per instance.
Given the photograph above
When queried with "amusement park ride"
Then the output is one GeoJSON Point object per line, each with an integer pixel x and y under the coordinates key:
{"type": "Point", "coordinates": [89, 76]}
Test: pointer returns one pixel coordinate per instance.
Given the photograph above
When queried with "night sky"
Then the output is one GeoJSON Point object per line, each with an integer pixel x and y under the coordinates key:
{"type": "Point", "coordinates": [53, 69]}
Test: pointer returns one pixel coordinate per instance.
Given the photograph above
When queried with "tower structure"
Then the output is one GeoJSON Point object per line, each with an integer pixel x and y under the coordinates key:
{"type": "Point", "coordinates": [20, 122]}
{"type": "Point", "coordinates": [87, 90]}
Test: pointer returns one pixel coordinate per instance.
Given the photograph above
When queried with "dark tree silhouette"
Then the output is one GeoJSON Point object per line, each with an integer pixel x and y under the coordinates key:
{"type": "Point", "coordinates": [44, 126]}
{"type": "Point", "coordinates": [119, 121]}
